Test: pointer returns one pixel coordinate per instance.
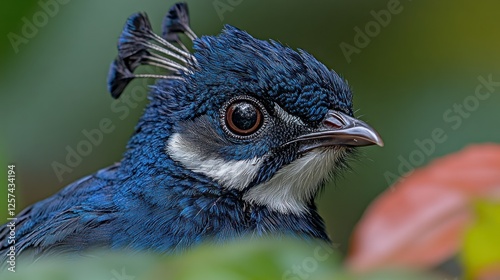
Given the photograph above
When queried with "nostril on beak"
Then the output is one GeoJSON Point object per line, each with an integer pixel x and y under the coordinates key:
{"type": "Point", "coordinates": [334, 121]}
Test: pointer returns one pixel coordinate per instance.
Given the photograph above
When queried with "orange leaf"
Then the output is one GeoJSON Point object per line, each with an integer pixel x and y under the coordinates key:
{"type": "Point", "coordinates": [419, 222]}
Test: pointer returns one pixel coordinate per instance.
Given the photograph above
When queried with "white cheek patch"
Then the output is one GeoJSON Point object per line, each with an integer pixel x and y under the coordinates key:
{"type": "Point", "coordinates": [293, 186]}
{"type": "Point", "coordinates": [232, 174]}
{"type": "Point", "coordinates": [288, 191]}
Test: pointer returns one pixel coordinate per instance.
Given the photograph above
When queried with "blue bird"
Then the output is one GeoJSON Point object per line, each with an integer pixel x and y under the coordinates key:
{"type": "Point", "coordinates": [237, 139]}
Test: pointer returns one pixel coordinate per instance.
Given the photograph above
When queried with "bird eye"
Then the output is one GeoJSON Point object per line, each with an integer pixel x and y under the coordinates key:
{"type": "Point", "coordinates": [244, 117]}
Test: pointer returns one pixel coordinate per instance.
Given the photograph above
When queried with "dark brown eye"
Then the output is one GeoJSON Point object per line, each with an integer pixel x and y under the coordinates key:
{"type": "Point", "coordinates": [243, 118]}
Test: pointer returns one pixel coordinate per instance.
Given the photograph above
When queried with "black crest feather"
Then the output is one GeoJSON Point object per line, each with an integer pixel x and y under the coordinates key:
{"type": "Point", "coordinates": [134, 35]}
{"type": "Point", "coordinates": [139, 45]}
{"type": "Point", "coordinates": [177, 21]}
{"type": "Point", "coordinates": [119, 77]}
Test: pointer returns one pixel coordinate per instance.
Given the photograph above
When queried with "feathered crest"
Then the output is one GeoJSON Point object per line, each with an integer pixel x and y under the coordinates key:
{"type": "Point", "coordinates": [139, 45]}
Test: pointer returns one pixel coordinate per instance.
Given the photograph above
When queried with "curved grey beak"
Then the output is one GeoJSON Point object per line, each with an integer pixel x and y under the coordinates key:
{"type": "Point", "coordinates": [340, 129]}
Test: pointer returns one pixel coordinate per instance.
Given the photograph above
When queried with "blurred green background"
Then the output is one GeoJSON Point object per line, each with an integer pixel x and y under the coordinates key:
{"type": "Point", "coordinates": [427, 58]}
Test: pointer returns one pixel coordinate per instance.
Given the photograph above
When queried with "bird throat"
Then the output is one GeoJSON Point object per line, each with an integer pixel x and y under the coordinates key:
{"type": "Point", "coordinates": [289, 191]}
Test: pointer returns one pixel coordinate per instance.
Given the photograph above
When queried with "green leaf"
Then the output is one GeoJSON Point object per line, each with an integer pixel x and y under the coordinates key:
{"type": "Point", "coordinates": [481, 251]}
{"type": "Point", "coordinates": [240, 260]}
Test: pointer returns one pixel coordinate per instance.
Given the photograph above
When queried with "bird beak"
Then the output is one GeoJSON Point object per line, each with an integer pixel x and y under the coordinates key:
{"type": "Point", "coordinates": [339, 129]}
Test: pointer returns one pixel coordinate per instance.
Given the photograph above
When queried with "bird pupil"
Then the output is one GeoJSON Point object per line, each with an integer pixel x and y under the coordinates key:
{"type": "Point", "coordinates": [244, 116]}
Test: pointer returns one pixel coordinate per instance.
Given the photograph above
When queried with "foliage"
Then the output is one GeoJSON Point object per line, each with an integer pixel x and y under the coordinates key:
{"type": "Point", "coordinates": [421, 221]}
{"type": "Point", "coordinates": [481, 251]}
{"type": "Point", "coordinates": [256, 260]}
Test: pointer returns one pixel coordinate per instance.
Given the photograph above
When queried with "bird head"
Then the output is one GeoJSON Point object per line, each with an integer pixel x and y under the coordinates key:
{"type": "Point", "coordinates": [254, 116]}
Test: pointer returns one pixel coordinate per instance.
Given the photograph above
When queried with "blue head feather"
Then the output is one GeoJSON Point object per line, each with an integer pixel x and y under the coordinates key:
{"type": "Point", "coordinates": [235, 63]}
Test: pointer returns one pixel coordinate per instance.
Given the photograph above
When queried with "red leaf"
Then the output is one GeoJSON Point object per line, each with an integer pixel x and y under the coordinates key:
{"type": "Point", "coordinates": [419, 222]}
